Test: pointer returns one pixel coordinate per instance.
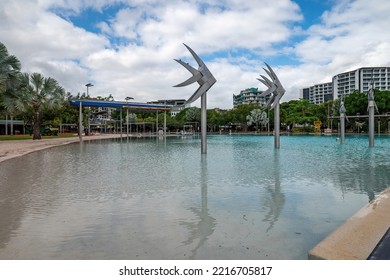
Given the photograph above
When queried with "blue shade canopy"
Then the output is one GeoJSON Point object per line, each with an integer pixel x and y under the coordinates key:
{"type": "Point", "coordinates": [120, 104]}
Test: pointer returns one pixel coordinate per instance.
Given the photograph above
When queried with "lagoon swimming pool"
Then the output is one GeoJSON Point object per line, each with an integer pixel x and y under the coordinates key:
{"type": "Point", "coordinates": [149, 198]}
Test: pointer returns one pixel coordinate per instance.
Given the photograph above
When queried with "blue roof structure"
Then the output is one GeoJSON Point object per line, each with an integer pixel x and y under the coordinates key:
{"type": "Point", "coordinates": [120, 104]}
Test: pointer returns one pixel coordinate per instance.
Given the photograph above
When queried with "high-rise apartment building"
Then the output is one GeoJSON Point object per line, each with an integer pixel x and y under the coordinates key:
{"type": "Point", "coordinates": [359, 80]}
{"type": "Point", "coordinates": [348, 82]}
{"type": "Point", "coordinates": [318, 94]}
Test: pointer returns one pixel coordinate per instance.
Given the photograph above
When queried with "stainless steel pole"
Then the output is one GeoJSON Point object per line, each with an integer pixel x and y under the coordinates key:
{"type": "Point", "coordinates": [204, 123]}
{"type": "Point", "coordinates": [165, 121]}
{"type": "Point", "coordinates": [277, 126]}
{"type": "Point", "coordinates": [342, 128]}
{"type": "Point", "coordinates": [157, 123]}
{"type": "Point", "coordinates": [121, 122]}
{"type": "Point", "coordinates": [371, 124]}
{"type": "Point", "coordinates": [80, 122]}
{"type": "Point", "coordinates": [127, 122]}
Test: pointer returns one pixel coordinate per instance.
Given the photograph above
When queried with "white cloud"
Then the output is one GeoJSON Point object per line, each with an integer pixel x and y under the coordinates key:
{"type": "Point", "coordinates": [133, 55]}
{"type": "Point", "coordinates": [125, 23]}
{"type": "Point", "coordinates": [351, 35]}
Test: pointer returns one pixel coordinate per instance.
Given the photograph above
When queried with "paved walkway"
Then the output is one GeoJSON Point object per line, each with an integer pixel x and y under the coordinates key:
{"type": "Point", "coordinates": [382, 250]}
{"type": "Point", "coordinates": [360, 236]}
{"type": "Point", "coordinates": [15, 148]}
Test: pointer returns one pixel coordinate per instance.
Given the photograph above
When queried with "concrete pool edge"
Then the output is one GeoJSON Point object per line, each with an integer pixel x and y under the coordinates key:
{"type": "Point", "coordinates": [15, 148]}
{"type": "Point", "coordinates": [359, 235]}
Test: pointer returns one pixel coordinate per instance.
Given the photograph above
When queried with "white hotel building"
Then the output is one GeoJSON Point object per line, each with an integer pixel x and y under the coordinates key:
{"type": "Point", "coordinates": [319, 93]}
{"type": "Point", "coordinates": [348, 82]}
{"type": "Point", "coordinates": [359, 80]}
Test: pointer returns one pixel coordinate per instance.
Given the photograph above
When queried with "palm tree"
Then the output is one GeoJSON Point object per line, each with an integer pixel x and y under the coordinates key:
{"type": "Point", "coordinates": [36, 92]}
{"type": "Point", "coordinates": [9, 68]}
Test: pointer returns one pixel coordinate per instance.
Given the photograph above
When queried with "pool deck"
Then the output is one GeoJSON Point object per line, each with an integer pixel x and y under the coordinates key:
{"type": "Point", "coordinates": [363, 236]}
{"type": "Point", "coordinates": [16, 148]}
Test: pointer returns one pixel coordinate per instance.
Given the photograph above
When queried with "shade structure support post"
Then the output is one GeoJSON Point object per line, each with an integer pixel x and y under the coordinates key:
{"type": "Point", "coordinates": [89, 122]}
{"type": "Point", "coordinates": [121, 122]}
{"type": "Point", "coordinates": [127, 122]}
{"type": "Point", "coordinates": [165, 123]}
{"type": "Point", "coordinates": [80, 122]}
{"type": "Point", "coordinates": [157, 123]}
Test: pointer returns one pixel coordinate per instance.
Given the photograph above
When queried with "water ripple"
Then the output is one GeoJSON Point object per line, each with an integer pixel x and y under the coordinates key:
{"type": "Point", "coordinates": [153, 199]}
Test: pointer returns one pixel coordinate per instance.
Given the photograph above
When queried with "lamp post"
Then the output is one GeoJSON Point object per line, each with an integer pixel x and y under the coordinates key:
{"type": "Point", "coordinates": [89, 125]}
{"type": "Point", "coordinates": [88, 86]}
{"type": "Point", "coordinates": [127, 114]}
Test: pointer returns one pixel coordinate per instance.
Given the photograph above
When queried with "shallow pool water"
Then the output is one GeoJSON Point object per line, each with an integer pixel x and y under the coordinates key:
{"type": "Point", "coordinates": [149, 198]}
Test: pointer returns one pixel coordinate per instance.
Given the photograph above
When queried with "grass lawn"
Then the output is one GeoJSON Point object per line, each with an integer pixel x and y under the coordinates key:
{"type": "Point", "coordinates": [27, 136]}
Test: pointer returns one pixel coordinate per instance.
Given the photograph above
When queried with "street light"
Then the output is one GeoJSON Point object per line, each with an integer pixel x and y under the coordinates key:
{"type": "Point", "coordinates": [127, 115]}
{"type": "Point", "coordinates": [88, 86]}
{"type": "Point", "coordinates": [89, 125]}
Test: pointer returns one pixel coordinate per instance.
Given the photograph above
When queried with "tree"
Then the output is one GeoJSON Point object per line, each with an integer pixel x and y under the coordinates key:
{"type": "Point", "coordinates": [9, 69]}
{"type": "Point", "coordinates": [356, 103]}
{"type": "Point", "coordinates": [240, 113]}
{"type": "Point", "coordinates": [300, 112]}
{"type": "Point", "coordinates": [214, 119]}
{"type": "Point", "coordinates": [38, 93]}
{"type": "Point", "coordinates": [193, 114]}
{"type": "Point", "coordinates": [257, 117]}
{"type": "Point", "coordinates": [382, 100]}
{"type": "Point", "coordinates": [132, 118]}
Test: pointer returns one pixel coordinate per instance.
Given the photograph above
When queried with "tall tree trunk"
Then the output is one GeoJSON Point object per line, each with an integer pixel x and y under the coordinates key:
{"type": "Point", "coordinates": [37, 124]}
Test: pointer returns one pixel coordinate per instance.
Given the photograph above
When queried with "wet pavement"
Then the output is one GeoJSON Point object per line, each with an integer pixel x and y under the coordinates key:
{"type": "Point", "coordinates": [382, 250]}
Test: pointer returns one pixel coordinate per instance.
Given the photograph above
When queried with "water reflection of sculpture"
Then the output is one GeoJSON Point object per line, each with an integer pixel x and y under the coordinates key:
{"type": "Point", "coordinates": [276, 200]}
{"type": "Point", "coordinates": [362, 173]}
{"type": "Point", "coordinates": [205, 226]}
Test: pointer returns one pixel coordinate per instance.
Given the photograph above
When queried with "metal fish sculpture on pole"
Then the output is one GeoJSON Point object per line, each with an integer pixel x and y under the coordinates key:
{"type": "Point", "coordinates": [206, 80]}
{"type": "Point", "coordinates": [342, 119]}
{"type": "Point", "coordinates": [371, 113]}
{"type": "Point", "coordinates": [276, 91]}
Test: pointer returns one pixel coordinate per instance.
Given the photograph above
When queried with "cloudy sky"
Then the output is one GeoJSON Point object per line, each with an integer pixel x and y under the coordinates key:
{"type": "Point", "coordinates": [126, 47]}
